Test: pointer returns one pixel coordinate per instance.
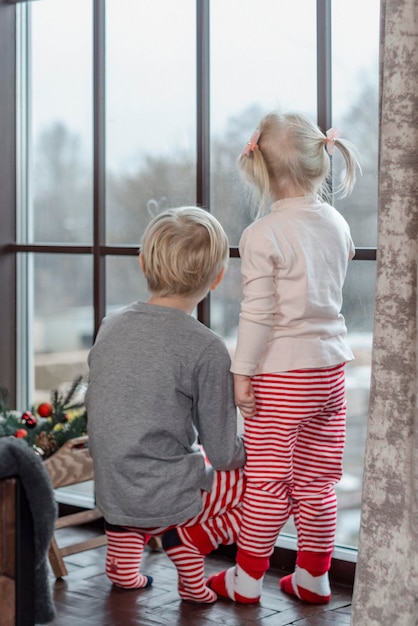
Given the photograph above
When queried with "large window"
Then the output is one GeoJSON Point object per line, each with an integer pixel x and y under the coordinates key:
{"type": "Point", "coordinates": [125, 107]}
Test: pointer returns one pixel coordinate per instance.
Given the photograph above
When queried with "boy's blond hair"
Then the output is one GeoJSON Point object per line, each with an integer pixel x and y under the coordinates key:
{"type": "Point", "coordinates": [183, 251]}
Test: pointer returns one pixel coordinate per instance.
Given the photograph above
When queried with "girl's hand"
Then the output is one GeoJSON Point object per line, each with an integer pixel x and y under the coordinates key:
{"type": "Point", "coordinates": [244, 395]}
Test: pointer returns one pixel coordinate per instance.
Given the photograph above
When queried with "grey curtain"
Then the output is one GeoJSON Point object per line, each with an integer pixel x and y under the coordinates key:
{"type": "Point", "coordinates": [386, 582]}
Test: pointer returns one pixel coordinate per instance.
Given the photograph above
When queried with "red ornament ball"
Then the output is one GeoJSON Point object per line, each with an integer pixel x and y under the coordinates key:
{"type": "Point", "coordinates": [20, 433]}
{"type": "Point", "coordinates": [45, 409]}
{"type": "Point", "coordinates": [28, 419]}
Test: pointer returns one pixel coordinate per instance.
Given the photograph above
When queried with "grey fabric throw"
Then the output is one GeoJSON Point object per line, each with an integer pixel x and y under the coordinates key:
{"type": "Point", "coordinates": [17, 459]}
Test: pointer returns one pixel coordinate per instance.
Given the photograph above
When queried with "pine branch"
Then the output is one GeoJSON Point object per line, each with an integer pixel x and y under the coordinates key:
{"type": "Point", "coordinates": [72, 390]}
{"type": "Point", "coordinates": [4, 398]}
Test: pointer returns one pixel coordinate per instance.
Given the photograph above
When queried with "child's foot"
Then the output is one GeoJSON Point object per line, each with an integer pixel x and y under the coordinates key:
{"type": "Point", "coordinates": [143, 582]}
{"type": "Point", "coordinates": [203, 595]}
{"type": "Point", "coordinates": [235, 584]}
{"type": "Point", "coordinates": [123, 557]}
{"type": "Point", "coordinates": [217, 583]}
{"type": "Point", "coordinates": [122, 579]}
{"type": "Point", "coordinates": [190, 568]}
{"type": "Point", "coordinates": [312, 589]}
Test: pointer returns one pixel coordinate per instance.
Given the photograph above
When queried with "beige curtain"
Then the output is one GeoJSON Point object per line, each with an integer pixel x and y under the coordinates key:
{"type": "Point", "coordinates": [386, 583]}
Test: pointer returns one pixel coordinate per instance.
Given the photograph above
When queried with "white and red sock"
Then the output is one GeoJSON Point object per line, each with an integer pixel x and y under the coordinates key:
{"type": "Point", "coordinates": [310, 581]}
{"type": "Point", "coordinates": [242, 583]}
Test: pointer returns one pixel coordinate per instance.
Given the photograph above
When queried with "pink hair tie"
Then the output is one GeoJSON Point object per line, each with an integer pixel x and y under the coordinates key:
{"type": "Point", "coordinates": [329, 141]}
{"type": "Point", "coordinates": [252, 144]}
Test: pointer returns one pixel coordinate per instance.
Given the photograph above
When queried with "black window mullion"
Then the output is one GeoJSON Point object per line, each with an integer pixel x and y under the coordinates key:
{"type": "Point", "coordinates": [324, 69]}
{"type": "Point", "coordinates": [203, 124]}
{"type": "Point", "coordinates": [323, 61]}
{"type": "Point", "coordinates": [99, 164]}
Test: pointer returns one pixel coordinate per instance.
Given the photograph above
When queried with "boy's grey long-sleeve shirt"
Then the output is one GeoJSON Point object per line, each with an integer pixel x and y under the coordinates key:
{"type": "Point", "coordinates": [157, 378]}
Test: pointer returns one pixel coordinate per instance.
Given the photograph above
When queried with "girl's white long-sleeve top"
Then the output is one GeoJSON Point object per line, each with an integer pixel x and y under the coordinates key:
{"type": "Point", "coordinates": [294, 263]}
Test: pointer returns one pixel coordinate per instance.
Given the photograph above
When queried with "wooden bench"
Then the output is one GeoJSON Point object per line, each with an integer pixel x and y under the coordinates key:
{"type": "Point", "coordinates": [72, 464]}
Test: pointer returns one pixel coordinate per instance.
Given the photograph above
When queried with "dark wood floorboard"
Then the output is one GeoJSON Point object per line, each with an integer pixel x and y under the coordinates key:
{"type": "Point", "coordinates": [86, 597]}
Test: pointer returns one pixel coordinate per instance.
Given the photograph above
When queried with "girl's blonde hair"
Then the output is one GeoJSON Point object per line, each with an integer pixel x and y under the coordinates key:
{"type": "Point", "coordinates": [183, 250]}
{"type": "Point", "coordinates": [291, 151]}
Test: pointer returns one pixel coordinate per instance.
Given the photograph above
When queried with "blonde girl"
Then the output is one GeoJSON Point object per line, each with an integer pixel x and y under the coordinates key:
{"type": "Point", "coordinates": [291, 350]}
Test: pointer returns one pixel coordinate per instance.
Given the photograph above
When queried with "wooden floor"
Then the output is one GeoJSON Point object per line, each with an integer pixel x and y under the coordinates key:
{"type": "Point", "coordinates": [86, 597]}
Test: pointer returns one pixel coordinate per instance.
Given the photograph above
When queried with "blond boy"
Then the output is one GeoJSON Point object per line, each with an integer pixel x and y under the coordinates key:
{"type": "Point", "coordinates": [158, 380]}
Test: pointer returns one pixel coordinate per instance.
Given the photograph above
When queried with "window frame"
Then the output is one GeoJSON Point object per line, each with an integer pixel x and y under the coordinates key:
{"type": "Point", "coordinates": [16, 252]}
{"type": "Point", "coordinates": [99, 250]}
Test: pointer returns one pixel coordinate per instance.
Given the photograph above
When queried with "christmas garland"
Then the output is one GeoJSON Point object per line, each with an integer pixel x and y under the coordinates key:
{"type": "Point", "coordinates": [46, 427]}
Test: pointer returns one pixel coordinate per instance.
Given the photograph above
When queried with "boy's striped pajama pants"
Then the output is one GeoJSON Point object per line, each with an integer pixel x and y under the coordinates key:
{"type": "Point", "coordinates": [217, 523]}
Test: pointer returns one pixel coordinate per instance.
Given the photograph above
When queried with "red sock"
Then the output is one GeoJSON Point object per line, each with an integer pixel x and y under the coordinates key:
{"type": "Point", "coordinates": [310, 581]}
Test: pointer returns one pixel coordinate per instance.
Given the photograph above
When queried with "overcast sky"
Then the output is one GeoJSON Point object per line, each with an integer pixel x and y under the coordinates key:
{"type": "Point", "coordinates": [262, 51]}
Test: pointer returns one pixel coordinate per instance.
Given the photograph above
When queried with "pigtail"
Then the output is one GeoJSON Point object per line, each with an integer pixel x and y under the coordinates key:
{"type": "Point", "coordinates": [253, 170]}
{"type": "Point", "coordinates": [349, 155]}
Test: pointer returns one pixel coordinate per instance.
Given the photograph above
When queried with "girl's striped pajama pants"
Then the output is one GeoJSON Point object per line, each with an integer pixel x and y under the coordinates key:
{"type": "Point", "coordinates": [294, 447]}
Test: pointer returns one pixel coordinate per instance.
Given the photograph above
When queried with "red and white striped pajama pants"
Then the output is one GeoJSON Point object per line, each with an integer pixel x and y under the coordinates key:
{"type": "Point", "coordinates": [294, 447]}
{"type": "Point", "coordinates": [217, 523]}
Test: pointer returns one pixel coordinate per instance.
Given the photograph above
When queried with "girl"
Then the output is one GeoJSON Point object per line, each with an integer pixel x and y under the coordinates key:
{"type": "Point", "coordinates": [289, 362]}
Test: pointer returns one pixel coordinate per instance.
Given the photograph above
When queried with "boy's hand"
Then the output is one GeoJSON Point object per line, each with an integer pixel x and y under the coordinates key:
{"type": "Point", "coordinates": [244, 395]}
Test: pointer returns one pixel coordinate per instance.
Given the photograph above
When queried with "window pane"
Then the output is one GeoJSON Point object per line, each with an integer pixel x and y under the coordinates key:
{"type": "Point", "coordinates": [358, 310]}
{"type": "Point", "coordinates": [125, 282]}
{"type": "Point", "coordinates": [224, 311]}
{"type": "Point", "coordinates": [225, 304]}
{"type": "Point", "coordinates": [263, 57]}
{"type": "Point", "coordinates": [355, 108]}
{"type": "Point", "coordinates": [62, 320]}
{"type": "Point", "coordinates": [151, 116]}
{"type": "Point", "coordinates": [61, 112]}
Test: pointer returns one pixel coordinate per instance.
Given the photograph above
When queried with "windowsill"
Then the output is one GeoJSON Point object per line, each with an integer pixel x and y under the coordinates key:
{"type": "Point", "coordinates": [80, 495]}
{"type": "Point", "coordinates": [283, 559]}
{"type": "Point", "coordinates": [342, 553]}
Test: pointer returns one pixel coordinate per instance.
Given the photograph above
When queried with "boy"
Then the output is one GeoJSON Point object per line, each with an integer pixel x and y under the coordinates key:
{"type": "Point", "coordinates": [158, 379]}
